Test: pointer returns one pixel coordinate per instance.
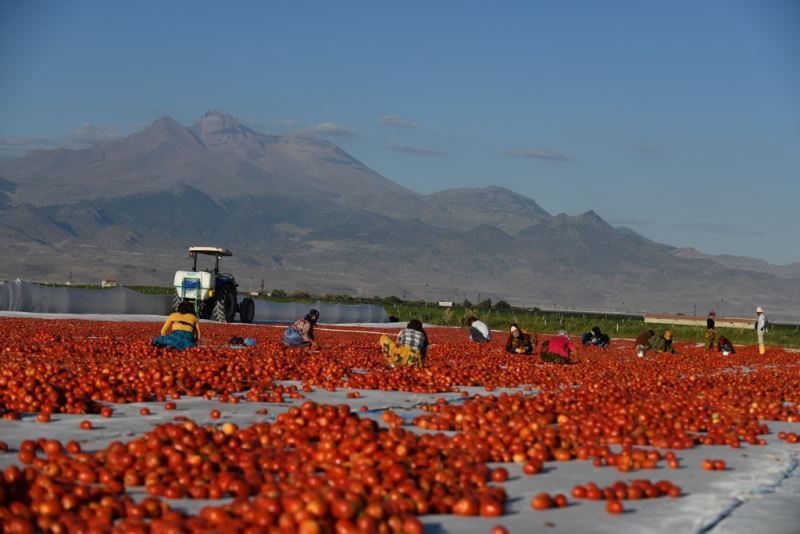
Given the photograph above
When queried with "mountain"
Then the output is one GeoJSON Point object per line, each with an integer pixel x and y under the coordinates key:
{"type": "Point", "coordinates": [218, 156]}
{"type": "Point", "coordinates": [301, 213]}
{"type": "Point", "coordinates": [790, 270]}
{"type": "Point", "coordinates": [495, 206]}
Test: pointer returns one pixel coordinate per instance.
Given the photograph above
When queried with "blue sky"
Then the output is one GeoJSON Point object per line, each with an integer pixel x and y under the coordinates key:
{"type": "Point", "coordinates": [678, 119]}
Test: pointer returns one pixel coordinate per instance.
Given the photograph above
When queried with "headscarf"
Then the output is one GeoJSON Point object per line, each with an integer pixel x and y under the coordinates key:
{"type": "Point", "coordinates": [186, 307]}
{"type": "Point", "coordinates": [415, 324]}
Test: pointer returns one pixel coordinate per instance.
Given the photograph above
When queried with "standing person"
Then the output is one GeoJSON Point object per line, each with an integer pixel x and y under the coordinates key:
{"type": "Point", "coordinates": [558, 349]}
{"type": "Point", "coordinates": [411, 348]}
{"type": "Point", "coordinates": [519, 341]}
{"type": "Point", "coordinates": [711, 331]}
{"type": "Point", "coordinates": [181, 330]}
{"type": "Point", "coordinates": [642, 343]}
{"type": "Point", "coordinates": [761, 326]}
{"type": "Point", "coordinates": [478, 331]}
{"type": "Point", "coordinates": [301, 332]}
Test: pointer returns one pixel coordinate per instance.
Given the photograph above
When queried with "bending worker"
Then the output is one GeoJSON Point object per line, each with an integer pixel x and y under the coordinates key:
{"type": "Point", "coordinates": [301, 332]}
{"type": "Point", "coordinates": [663, 343]}
{"type": "Point", "coordinates": [478, 330]}
{"type": "Point", "coordinates": [519, 341]}
{"type": "Point", "coordinates": [711, 331]}
{"type": "Point", "coordinates": [181, 329]}
{"type": "Point", "coordinates": [558, 349]}
{"type": "Point", "coordinates": [642, 343]}
{"type": "Point", "coordinates": [411, 347]}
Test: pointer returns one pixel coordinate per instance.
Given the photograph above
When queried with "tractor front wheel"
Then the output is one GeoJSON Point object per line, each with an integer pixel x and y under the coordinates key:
{"type": "Point", "coordinates": [225, 307]}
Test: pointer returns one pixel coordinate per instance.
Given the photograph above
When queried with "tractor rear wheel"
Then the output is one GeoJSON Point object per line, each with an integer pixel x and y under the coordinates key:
{"type": "Point", "coordinates": [225, 307]}
{"type": "Point", "coordinates": [247, 310]}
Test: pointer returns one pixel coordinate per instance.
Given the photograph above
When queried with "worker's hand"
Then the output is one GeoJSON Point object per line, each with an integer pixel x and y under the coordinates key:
{"type": "Point", "coordinates": [520, 351]}
{"type": "Point", "coordinates": [315, 345]}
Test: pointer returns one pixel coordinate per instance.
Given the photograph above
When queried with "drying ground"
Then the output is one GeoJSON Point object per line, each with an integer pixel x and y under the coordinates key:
{"type": "Point", "coordinates": [103, 432]}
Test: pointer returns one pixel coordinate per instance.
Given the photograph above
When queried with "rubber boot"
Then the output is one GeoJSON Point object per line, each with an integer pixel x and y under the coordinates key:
{"type": "Point", "coordinates": [762, 349]}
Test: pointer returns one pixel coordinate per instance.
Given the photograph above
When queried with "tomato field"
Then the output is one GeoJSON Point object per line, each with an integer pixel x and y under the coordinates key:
{"type": "Point", "coordinates": [102, 432]}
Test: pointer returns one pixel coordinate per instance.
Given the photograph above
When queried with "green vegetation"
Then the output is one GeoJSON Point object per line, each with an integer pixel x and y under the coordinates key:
{"type": "Point", "coordinates": [501, 314]}
{"type": "Point", "coordinates": [616, 326]}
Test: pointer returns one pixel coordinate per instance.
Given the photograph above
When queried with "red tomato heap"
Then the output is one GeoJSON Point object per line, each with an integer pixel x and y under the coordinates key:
{"type": "Point", "coordinates": [322, 468]}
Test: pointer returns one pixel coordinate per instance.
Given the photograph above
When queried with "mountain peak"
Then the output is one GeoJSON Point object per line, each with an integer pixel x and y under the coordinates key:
{"type": "Point", "coordinates": [164, 123]}
{"type": "Point", "coordinates": [219, 119]}
{"type": "Point", "coordinates": [215, 113]}
{"type": "Point", "coordinates": [218, 128]}
{"type": "Point", "coordinates": [219, 122]}
{"type": "Point", "coordinates": [586, 220]}
{"type": "Point", "coordinates": [591, 216]}
{"type": "Point", "coordinates": [492, 205]}
{"type": "Point", "coordinates": [163, 132]}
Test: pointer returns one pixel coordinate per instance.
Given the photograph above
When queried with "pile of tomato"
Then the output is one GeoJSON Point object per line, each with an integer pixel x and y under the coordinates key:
{"type": "Point", "coordinates": [321, 468]}
{"type": "Point", "coordinates": [318, 466]}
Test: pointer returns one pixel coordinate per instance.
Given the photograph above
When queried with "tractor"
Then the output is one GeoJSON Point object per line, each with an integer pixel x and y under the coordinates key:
{"type": "Point", "coordinates": [213, 292]}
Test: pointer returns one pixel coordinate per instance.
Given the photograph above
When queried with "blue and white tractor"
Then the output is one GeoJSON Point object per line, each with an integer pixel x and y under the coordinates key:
{"type": "Point", "coordinates": [213, 292]}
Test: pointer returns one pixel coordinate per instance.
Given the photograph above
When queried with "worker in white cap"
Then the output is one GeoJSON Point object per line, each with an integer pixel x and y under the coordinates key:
{"type": "Point", "coordinates": [761, 327]}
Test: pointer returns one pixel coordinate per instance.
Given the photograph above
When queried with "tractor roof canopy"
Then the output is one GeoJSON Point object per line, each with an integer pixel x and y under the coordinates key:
{"type": "Point", "coordinates": [211, 251]}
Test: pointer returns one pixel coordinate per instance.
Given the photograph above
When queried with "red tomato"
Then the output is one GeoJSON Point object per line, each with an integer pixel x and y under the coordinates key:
{"type": "Point", "coordinates": [579, 492]}
{"type": "Point", "coordinates": [466, 506]}
{"type": "Point", "coordinates": [614, 507]}
{"type": "Point", "coordinates": [490, 507]}
{"type": "Point", "coordinates": [541, 501]}
{"type": "Point", "coordinates": [499, 474]}
{"type": "Point", "coordinates": [532, 467]}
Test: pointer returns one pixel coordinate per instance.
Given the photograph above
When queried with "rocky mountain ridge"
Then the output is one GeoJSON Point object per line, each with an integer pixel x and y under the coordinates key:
{"type": "Point", "coordinates": [302, 213]}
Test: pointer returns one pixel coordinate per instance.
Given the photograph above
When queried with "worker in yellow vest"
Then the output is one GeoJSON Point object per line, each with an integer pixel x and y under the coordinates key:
{"type": "Point", "coordinates": [181, 329]}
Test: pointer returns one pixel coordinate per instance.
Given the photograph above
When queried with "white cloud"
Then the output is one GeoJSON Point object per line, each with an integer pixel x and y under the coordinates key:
{"type": "Point", "coordinates": [536, 153]}
{"type": "Point", "coordinates": [331, 129]}
{"type": "Point", "coordinates": [416, 150]}
{"type": "Point", "coordinates": [394, 120]}
{"type": "Point", "coordinates": [81, 137]}
{"type": "Point", "coordinates": [89, 134]}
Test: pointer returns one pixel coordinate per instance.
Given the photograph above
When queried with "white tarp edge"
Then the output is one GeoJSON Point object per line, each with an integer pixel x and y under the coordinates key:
{"type": "Point", "coordinates": [22, 296]}
{"type": "Point", "coordinates": [267, 311]}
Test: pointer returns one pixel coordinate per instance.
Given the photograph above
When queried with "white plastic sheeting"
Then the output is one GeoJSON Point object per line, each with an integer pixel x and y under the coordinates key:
{"type": "Point", "coordinates": [28, 297]}
{"type": "Point", "coordinates": [267, 311]}
{"type": "Point", "coordinates": [21, 296]}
